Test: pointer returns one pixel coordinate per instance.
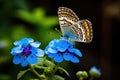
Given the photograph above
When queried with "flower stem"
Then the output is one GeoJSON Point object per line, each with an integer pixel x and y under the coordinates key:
{"type": "Point", "coordinates": [56, 67]}
{"type": "Point", "coordinates": [36, 73]}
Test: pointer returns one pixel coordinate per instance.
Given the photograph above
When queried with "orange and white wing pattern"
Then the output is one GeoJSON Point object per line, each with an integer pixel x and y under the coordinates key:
{"type": "Point", "coordinates": [73, 28]}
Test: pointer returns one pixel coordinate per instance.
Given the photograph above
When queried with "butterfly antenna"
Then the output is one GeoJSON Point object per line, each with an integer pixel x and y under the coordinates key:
{"type": "Point", "coordinates": [58, 31]}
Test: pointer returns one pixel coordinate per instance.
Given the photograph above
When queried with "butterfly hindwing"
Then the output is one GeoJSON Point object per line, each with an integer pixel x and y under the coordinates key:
{"type": "Point", "coordinates": [82, 30]}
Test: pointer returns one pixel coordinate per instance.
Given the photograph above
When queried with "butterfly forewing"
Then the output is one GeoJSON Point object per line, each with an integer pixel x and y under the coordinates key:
{"type": "Point", "coordinates": [73, 28]}
{"type": "Point", "coordinates": [66, 17]}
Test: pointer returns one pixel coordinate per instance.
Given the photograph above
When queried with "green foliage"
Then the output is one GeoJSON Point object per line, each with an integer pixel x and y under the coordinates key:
{"type": "Point", "coordinates": [21, 73]}
{"type": "Point", "coordinates": [61, 69]}
{"type": "Point", "coordinates": [38, 18]}
{"type": "Point", "coordinates": [57, 77]}
{"type": "Point", "coordinates": [44, 24]}
{"type": "Point", "coordinates": [45, 72]}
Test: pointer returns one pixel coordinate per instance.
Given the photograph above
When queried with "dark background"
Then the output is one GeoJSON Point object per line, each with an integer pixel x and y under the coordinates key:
{"type": "Point", "coordinates": [102, 52]}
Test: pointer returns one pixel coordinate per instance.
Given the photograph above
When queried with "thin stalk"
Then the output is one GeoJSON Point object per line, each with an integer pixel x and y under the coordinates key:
{"type": "Point", "coordinates": [36, 73]}
{"type": "Point", "coordinates": [56, 68]}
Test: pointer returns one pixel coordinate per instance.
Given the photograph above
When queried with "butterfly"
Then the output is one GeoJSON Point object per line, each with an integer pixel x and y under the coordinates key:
{"type": "Point", "coordinates": [72, 28]}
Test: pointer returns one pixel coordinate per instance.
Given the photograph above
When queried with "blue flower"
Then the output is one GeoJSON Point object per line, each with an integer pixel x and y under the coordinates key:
{"type": "Point", "coordinates": [26, 52]}
{"type": "Point", "coordinates": [61, 49]}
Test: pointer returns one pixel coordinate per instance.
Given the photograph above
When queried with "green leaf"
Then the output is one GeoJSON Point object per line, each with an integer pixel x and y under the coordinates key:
{"type": "Point", "coordinates": [49, 63]}
{"type": "Point", "coordinates": [45, 62]}
{"type": "Point", "coordinates": [62, 69]}
{"type": "Point", "coordinates": [21, 73]}
{"type": "Point", "coordinates": [24, 15]}
{"type": "Point", "coordinates": [38, 14]}
{"type": "Point", "coordinates": [40, 61]}
{"type": "Point", "coordinates": [57, 77]}
{"type": "Point", "coordinates": [50, 21]}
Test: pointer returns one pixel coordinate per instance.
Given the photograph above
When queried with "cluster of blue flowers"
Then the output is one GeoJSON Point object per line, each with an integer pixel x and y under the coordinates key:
{"type": "Point", "coordinates": [26, 51]}
{"type": "Point", "coordinates": [61, 49]}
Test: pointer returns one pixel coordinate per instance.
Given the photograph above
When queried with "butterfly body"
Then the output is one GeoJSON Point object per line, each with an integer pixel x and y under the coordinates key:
{"type": "Point", "coordinates": [73, 28]}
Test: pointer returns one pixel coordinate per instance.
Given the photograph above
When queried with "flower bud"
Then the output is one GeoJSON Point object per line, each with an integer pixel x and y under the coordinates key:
{"type": "Point", "coordinates": [82, 74]}
{"type": "Point", "coordinates": [94, 72]}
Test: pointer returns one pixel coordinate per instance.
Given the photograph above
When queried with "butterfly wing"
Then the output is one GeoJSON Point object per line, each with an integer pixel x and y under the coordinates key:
{"type": "Point", "coordinates": [82, 31]}
{"type": "Point", "coordinates": [66, 18]}
{"type": "Point", "coordinates": [73, 28]}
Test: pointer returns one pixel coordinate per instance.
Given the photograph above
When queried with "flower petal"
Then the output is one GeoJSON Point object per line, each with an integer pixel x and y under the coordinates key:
{"type": "Point", "coordinates": [51, 55]}
{"type": "Point", "coordinates": [40, 53]}
{"type": "Point", "coordinates": [24, 42]}
{"type": "Point", "coordinates": [16, 50]}
{"type": "Point", "coordinates": [24, 62]}
{"type": "Point", "coordinates": [46, 50]}
{"type": "Point", "coordinates": [74, 59]}
{"type": "Point", "coordinates": [62, 45]}
{"type": "Point", "coordinates": [67, 56]}
{"type": "Point", "coordinates": [61, 49]}
{"type": "Point", "coordinates": [71, 44]}
{"type": "Point", "coordinates": [71, 50]}
{"type": "Point", "coordinates": [32, 59]}
{"type": "Point", "coordinates": [30, 40]}
{"type": "Point", "coordinates": [58, 57]}
{"type": "Point", "coordinates": [35, 44]}
{"type": "Point", "coordinates": [77, 52]}
{"type": "Point", "coordinates": [16, 43]}
{"type": "Point", "coordinates": [34, 50]}
{"type": "Point", "coordinates": [51, 50]}
{"type": "Point", "coordinates": [52, 43]}
{"type": "Point", "coordinates": [17, 59]}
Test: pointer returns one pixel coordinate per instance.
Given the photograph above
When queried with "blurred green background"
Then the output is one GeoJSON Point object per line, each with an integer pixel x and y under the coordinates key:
{"type": "Point", "coordinates": [18, 19]}
{"type": "Point", "coordinates": [38, 19]}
